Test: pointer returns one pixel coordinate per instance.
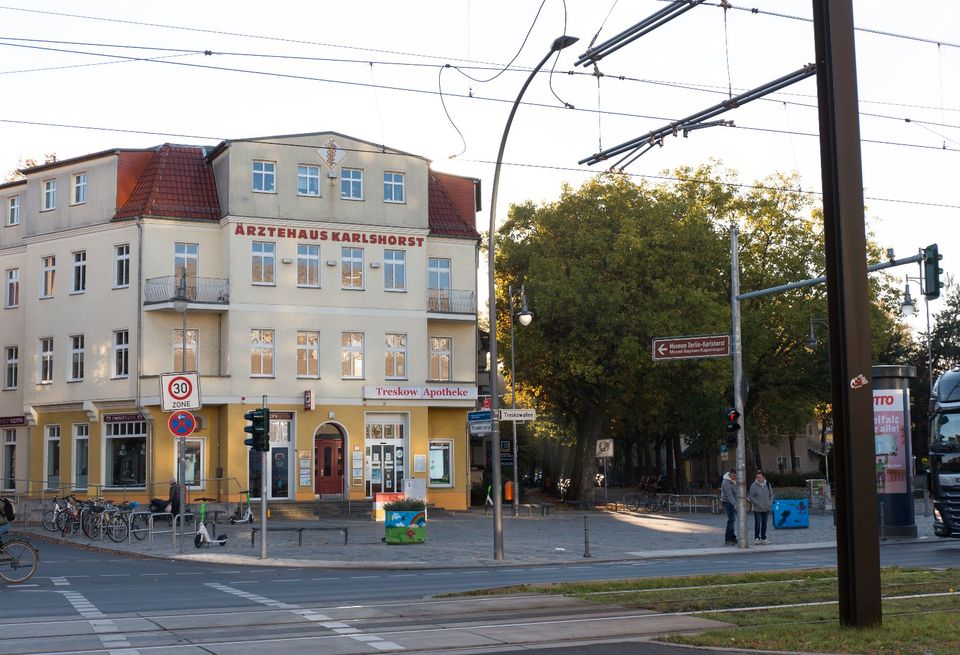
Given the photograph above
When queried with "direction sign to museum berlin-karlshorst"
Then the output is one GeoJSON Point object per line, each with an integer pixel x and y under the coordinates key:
{"type": "Point", "coordinates": [696, 347]}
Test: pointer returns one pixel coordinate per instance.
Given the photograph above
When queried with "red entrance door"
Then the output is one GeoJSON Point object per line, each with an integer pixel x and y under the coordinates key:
{"type": "Point", "coordinates": [328, 474]}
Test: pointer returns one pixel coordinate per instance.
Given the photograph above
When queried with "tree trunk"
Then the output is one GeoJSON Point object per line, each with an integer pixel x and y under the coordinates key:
{"type": "Point", "coordinates": [755, 443]}
{"type": "Point", "coordinates": [793, 453]}
{"type": "Point", "coordinates": [591, 430]}
{"type": "Point", "coordinates": [680, 482]}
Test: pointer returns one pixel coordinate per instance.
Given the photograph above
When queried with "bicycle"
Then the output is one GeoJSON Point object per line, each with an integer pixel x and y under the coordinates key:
{"type": "Point", "coordinates": [203, 537]}
{"type": "Point", "coordinates": [19, 559]}
{"type": "Point", "coordinates": [54, 518]}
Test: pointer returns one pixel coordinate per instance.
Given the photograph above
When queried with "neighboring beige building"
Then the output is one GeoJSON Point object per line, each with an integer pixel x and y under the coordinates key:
{"type": "Point", "coordinates": [333, 277]}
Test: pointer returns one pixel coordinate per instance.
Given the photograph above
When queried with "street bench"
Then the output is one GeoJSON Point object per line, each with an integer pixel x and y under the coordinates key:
{"type": "Point", "coordinates": [300, 531]}
{"type": "Point", "coordinates": [543, 508]}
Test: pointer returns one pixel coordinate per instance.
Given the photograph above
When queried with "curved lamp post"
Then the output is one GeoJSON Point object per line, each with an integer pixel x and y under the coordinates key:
{"type": "Point", "coordinates": [558, 44]}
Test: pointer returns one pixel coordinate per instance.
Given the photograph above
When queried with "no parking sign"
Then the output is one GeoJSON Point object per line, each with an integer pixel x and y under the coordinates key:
{"type": "Point", "coordinates": [182, 424]}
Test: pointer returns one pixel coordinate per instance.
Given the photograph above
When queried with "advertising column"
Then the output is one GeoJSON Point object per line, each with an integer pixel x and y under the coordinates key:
{"type": "Point", "coordinates": [892, 443]}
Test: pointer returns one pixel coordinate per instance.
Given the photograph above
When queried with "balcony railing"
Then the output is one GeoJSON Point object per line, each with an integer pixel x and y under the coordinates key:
{"type": "Point", "coordinates": [209, 290]}
{"type": "Point", "coordinates": [451, 301]}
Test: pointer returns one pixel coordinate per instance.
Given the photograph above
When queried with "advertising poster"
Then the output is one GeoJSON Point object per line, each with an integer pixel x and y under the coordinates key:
{"type": "Point", "coordinates": [889, 437]}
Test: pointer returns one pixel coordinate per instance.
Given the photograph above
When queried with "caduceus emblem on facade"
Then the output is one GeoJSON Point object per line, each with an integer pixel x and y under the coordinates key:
{"type": "Point", "coordinates": [331, 153]}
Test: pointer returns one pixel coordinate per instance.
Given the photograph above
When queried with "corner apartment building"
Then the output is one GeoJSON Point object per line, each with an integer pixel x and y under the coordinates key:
{"type": "Point", "coordinates": [332, 277]}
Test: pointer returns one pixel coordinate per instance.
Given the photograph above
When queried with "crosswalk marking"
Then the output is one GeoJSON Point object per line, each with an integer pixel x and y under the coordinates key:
{"type": "Point", "coordinates": [324, 621]}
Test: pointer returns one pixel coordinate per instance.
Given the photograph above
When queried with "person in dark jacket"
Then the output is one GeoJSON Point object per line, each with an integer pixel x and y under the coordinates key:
{"type": "Point", "coordinates": [728, 498]}
{"type": "Point", "coordinates": [761, 500]}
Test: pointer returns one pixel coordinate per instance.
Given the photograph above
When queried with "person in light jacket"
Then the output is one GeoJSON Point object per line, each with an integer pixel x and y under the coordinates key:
{"type": "Point", "coordinates": [761, 500]}
{"type": "Point", "coordinates": [728, 498]}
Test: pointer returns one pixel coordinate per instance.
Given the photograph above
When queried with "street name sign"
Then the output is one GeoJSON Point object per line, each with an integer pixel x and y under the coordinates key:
{"type": "Point", "coordinates": [518, 414]}
{"type": "Point", "coordinates": [483, 415]}
{"type": "Point", "coordinates": [179, 391]}
{"type": "Point", "coordinates": [695, 347]}
{"type": "Point", "coordinates": [480, 428]}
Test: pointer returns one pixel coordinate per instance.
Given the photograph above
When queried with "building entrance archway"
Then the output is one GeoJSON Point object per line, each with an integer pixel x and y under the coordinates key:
{"type": "Point", "coordinates": [328, 460]}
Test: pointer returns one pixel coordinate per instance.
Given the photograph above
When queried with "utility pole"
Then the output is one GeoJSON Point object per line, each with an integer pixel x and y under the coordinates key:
{"type": "Point", "coordinates": [737, 346]}
{"type": "Point", "coordinates": [858, 550]}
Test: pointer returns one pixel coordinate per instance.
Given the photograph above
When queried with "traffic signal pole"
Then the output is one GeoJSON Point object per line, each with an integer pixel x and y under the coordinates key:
{"type": "Point", "coordinates": [264, 462]}
{"type": "Point", "coordinates": [737, 346]}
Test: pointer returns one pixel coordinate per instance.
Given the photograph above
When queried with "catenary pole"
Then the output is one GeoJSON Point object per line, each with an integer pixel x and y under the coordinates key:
{"type": "Point", "coordinates": [738, 388]}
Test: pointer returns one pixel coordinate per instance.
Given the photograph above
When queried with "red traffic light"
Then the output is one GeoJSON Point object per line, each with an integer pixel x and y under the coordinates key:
{"type": "Point", "coordinates": [732, 415]}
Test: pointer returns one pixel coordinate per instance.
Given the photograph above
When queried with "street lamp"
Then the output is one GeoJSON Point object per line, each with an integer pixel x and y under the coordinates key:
{"type": "Point", "coordinates": [908, 308]}
{"type": "Point", "coordinates": [558, 44]}
{"type": "Point", "coordinates": [811, 340]}
{"type": "Point", "coordinates": [180, 303]}
{"type": "Point", "coordinates": [525, 317]}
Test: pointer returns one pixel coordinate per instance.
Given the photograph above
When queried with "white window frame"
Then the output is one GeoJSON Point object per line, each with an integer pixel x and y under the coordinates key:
{"type": "Point", "coordinates": [263, 253]}
{"type": "Point", "coordinates": [262, 342]}
{"type": "Point", "coordinates": [438, 483]}
{"type": "Point", "coordinates": [351, 268]}
{"type": "Point", "coordinates": [45, 370]}
{"type": "Point", "coordinates": [308, 260]}
{"type": "Point", "coordinates": [13, 210]}
{"type": "Point", "coordinates": [80, 188]}
{"type": "Point", "coordinates": [308, 354]}
{"type": "Point", "coordinates": [199, 466]}
{"type": "Point", "coordinates": [394, 266]}
{"type": "Point", "coordinates": [81, 432]}
{"type": "Point", "coordinates": [11, 367]}
{"type": "Point", "coordinates": [77, 348]}
{"type": "Point", "coordinates": [79, 271]}
{"type": "Point", "coordinates": [48, 276]}
{"type": "Point", "coordinates": [121, 266]}
{"type": "Point", "coordinates": [307, 173]}
{"type": "Point", "coordinates": [193, 348]}
{"type": "Point", "coordinates": [352, 355]}
{"type": "Point", "coordinates": [351, 184]}
{"type": "Point", "coordinates": [264, 176]}
{"type": "Point", "coordinates": [437, 356]}
{"type": "Point", "coordinates": [186, 255]}
{"type": "Point", "coordinates": [120, 361]}
{"type": "Point", "coordinates": [49, 197]}
{"type": "Point", "coordinates": [394, 187]}
{"type": "Point", "coordinates": [52, 434]}
{"type": "Point", "coordinates": [11, 288]}
{"type": "Point", "coordinates": [439, 274]}
{"type": "Point", "coordinates": [395, 353]}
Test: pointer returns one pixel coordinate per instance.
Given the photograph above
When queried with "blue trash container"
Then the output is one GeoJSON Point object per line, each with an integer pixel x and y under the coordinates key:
{"type": "Point", "coordinates": [788, 514]}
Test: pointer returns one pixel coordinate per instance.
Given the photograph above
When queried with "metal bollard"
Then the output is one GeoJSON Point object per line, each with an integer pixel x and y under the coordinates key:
{"type": "Point", "coordinates": [586, 537]}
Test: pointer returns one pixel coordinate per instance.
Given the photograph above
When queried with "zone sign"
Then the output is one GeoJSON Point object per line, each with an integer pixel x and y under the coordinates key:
{"type": "Point", "coordinates": [179, 391]}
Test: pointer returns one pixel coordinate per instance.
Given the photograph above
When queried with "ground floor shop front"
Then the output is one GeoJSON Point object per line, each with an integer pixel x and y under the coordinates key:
{"type": "Point", "coordinates": [330, 452]}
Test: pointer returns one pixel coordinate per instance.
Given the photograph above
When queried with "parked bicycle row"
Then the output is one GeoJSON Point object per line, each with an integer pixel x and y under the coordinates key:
{"type": "Point", "coordinates": [95, 518]}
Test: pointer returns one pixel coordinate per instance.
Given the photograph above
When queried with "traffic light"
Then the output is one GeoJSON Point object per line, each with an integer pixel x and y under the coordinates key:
{"type": "Point", "coordinates": [259, 429]}
{"type": "Point", "coordinates": [733, 425]}
{"type": "Point", "coordinates": [931, 272]}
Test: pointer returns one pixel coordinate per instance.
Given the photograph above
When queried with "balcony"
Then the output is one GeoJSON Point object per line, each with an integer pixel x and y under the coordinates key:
{"type": "Point", "coordinates": [452, 301]}
{"type": "Point", "coordinates": [200, 291]}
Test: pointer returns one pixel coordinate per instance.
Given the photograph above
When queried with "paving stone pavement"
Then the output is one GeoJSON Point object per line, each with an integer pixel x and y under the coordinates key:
{"type": "Point", "coordinates": [463, 539]}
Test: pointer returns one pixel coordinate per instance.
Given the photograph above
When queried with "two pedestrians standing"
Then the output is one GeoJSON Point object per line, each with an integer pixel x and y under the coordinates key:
{"type": "Point", "coordinates": [728, 498]}
{"type": "Point", "coordinates": [761, 500]}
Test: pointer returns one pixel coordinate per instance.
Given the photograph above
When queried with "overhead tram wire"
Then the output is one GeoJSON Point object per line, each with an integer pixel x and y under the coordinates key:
{"type": "Point", "coordinates": [703, 88]}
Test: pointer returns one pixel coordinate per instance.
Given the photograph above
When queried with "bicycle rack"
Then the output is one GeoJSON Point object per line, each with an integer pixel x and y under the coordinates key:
{"type": "Point", "coordinates": [130, 514]}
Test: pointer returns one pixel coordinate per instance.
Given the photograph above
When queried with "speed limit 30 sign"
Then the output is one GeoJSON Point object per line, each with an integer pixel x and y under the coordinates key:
{"type": "Point", "coordinates": [179, 391]}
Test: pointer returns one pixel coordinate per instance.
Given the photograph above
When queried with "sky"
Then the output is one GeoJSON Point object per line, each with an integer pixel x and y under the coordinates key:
{"type": "Point", "coordinates": [107, 74]}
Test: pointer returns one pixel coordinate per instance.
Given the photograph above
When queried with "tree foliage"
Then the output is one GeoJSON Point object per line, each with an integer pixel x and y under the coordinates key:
{"type": "Point", "coordinates": [611, 265]}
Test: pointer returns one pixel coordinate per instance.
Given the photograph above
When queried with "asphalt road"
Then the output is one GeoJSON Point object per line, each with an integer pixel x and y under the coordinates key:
{"type": "Point", "coordinates": [83, 601]}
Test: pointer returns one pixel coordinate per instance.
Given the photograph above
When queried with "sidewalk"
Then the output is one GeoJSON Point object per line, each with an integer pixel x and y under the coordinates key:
{"type": "Point", "coordinates": [465, 539]}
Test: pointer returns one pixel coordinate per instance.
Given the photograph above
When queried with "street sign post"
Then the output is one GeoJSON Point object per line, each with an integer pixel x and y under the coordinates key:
{"type": "Point", "coordinates": [605, 448]}
{"type": "Point", "coordinates": [180, 391]}
{"type": "Point", "coordinates": [518, 414]}
{"type": "Point", "coordinates": [693, 347]}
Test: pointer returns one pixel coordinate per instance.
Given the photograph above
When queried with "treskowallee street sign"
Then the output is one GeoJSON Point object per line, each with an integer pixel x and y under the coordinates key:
{"type": "Point", "coordinates": [696, 347]}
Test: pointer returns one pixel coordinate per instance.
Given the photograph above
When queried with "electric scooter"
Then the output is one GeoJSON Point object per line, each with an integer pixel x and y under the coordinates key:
{"type": "Point", "coordinates": [203, 537]}
{"type": "Point", "coordinates": [247, 515]}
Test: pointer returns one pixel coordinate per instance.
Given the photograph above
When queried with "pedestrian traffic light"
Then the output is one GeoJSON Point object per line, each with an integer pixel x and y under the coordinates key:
{"type": "Point", "coordinates": [931, 272]}
{"type": "Point", "coordinates": [259, 429]}
{"type": "Point", "coordinates": [733, 425]}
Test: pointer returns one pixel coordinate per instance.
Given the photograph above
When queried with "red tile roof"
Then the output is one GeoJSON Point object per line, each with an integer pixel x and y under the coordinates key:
{"type": "Point", "coordinates": [451, 206]}
{"type": "Point", "coordinates": [176, 183]}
